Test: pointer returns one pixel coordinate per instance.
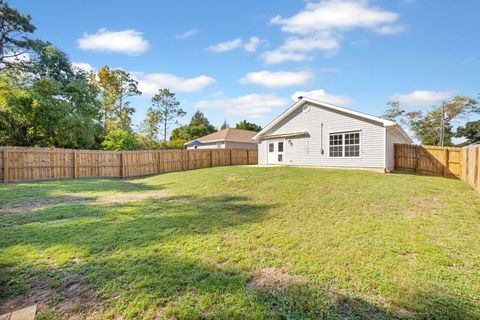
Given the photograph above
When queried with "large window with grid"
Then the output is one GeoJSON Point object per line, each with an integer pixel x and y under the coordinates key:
{"type": "Point", "coordinates": [344, 144]}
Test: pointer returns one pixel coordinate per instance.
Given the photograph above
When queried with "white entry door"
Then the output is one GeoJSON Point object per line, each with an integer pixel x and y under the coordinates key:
{"type": "Point", "coordinates": [276, 152]}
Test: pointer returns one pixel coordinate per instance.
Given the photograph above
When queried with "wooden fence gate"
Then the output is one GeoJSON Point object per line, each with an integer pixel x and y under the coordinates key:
{"type": "Point", "coordinates": [462, 163]}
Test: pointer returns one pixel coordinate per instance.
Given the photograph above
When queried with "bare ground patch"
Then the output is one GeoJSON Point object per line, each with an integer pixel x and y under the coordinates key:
{"type": "Point", "coordinates": [269, 277]}
{"type": "Point", "coordinates": [41, 204]}
{"type": "Point", "coordinates": [116, 198]}
{"type": "Point", "coordinates": [124, 197]}
{"type": "Point", "coordinates": [71, 297]}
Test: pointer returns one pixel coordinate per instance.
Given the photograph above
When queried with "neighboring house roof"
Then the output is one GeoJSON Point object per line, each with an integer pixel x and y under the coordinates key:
{"type": "Point", "coordinates": [303, 100]}
{"type": "Point", "coordinates": [229, 134]}
{"type": "Point", "coordinates": [195, 143]}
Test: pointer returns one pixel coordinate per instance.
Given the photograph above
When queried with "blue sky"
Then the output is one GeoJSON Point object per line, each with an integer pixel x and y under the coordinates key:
{"type": "Point", "coordinates": [246, 59]}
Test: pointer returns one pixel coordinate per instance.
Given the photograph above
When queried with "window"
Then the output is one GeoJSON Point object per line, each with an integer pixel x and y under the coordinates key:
{"type": "Point", "coordinates": [336, 145]}
{"type": "Point", "coordinates": [219, 145]}
{"type": "Point", "coordinates": [271, 147]}
{"type": "Point", "coordinates": [344, 144]}
{"type": "Point", "coordinates": [352, 144]}
{"type": "Point", "coordinates": [280, 147]}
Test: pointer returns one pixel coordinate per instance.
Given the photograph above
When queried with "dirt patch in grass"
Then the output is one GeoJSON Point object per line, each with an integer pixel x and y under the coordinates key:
{"type": "Point", "coordinates": [41, 204]}
{"type": "Point", "coordinates": [124, 197]}
{"type": "Point", "coordinates": [269, 277]}
{"type": "Point", "coordinates": [233, 178]}
{"type": "Point", "coordinates": [117, 198]}
{"type": "Point", "coordinates": [70, 297]}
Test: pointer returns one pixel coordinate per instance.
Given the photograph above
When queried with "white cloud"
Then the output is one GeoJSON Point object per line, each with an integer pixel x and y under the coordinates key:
{"type": "Point", "coordinates": [281, 79]}
{"type": "Point", "coordinates": [335, 14]}
{"type": "Point", "coordinates": [252, 106]}
{"type": "Point", "coordinates": [83, 66]}
{"type": "Point", "coordinates": [423, 97]}
{"type": "Point", "coordinates": [227, 45]}
{"type": "Point", "coordinates": [252, 44]}
{"type": "Point", "coordinates": [320, 41]}
{"type": "Point", "coordinates": [322, 95]}
{"type": "Point", "coordinates": [149, 83]}
{"type": "Point", "coordinates": [320, 26]}
{"type": "Point", "coordinates": [126, 41]}
{"type": "Point", "coordinates": [277, 56]}
{"type": "Point", "coordinates": [390, 29]}
{"type": "Point", "coordinates": [186, 34]}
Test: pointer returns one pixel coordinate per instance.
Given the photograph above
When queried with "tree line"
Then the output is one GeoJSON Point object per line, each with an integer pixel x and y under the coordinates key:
{"type": "Point", "coordinates": [427, 126]}
{"type": "Point", "coordinates": [46, 101]}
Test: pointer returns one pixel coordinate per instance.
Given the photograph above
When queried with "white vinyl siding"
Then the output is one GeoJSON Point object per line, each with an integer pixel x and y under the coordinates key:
{"type": "Point", "coordinates": [313, 150]}
{"type": "Point", "coordinates": [225, 144]}
{"type": "Point", "coordinates": [210, 145]}
{"type": "Point", "coordinates": [240, 145]}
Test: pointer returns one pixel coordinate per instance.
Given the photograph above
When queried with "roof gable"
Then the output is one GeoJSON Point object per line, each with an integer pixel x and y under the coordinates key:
{"type": "Point", "coordinates": [228, 134]}
{"type": "Point", "coordinates": [305, 100]}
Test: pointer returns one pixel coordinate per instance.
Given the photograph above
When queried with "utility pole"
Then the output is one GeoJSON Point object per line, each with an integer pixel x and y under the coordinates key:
{"type": "Point", "coordinates": [442, 125]}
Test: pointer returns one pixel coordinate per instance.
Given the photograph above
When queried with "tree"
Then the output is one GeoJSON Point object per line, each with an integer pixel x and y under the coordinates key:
{"type": "Point", "coordinates": [471, 131]}
{"type": "Point", "coordinates": [119, 139]}
{"type": "Point", "coordinates": [127, 87]}
{"type": "Point", "coordinates": [164, 112]}
{"type": "Point", "coordinates": [115, 87]}
{"type": "Point", "coordinates": [427, 127]}
{"type": "Point", "coordinates": [13, 124]}
{"type": "Point", "coordinates": [225, 125]}
{"type": "Point", "coordinates": [393, 113]}
{"type": "Point", "coordinates": [14, 30]}
{"type": "Point", "coordinates": [199, 126]}
{"type": "Point", "coordinates": [50, 105]}
{"type": "Point", "coordinates": [245, 125]}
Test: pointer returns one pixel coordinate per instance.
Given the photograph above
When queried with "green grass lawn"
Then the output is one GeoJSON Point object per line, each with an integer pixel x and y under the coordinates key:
{"type": "Point", "coordinates": [243, 243]}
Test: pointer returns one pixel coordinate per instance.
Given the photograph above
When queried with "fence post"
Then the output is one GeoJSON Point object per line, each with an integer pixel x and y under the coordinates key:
{"type": "Point", "coordinates": [5, 165]}
{"type": "Point", "coordinates": [230, 156]}
{"type": "Point", "coordinates": [395, 157]}
{"type": "Point", "coordinates": [211, 158]}
{"type": "Point", "coordinates": [417, 157]}
{"type": "Point", "coordinates": [74, 164]}
{"type": "Point", "coordinates": [122, 163]}
{"type": "Point", "coordinates": [248, 156]}
{"type": "Point", "coordinates": [475, 176]}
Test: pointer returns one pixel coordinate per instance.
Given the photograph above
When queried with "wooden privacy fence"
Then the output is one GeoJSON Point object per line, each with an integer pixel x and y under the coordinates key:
{"type": "Point", "coordinates": [444, 161]}
{"type": "Point", "coordinates": [29, 164]}
{"type": "Point", "coordinates": [462, 163]}
{"type": "Point", "coordinates": [471, 166]}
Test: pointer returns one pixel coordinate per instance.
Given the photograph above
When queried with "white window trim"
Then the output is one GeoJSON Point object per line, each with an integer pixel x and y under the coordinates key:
{"type": "Point", "coordinates": [343, 143]}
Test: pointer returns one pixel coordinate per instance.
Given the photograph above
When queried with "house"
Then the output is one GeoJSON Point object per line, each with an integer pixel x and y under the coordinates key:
{"type": "Point", "coordinates": [315, 133]}
{"type": "Point", "coordinates": [227, 138]}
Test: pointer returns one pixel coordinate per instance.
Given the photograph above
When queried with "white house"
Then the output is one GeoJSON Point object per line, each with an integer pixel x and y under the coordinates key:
{"type": "Point", "coordinates": [315, 133]}
{"type": "Point", "coordinates": [226, 138]}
